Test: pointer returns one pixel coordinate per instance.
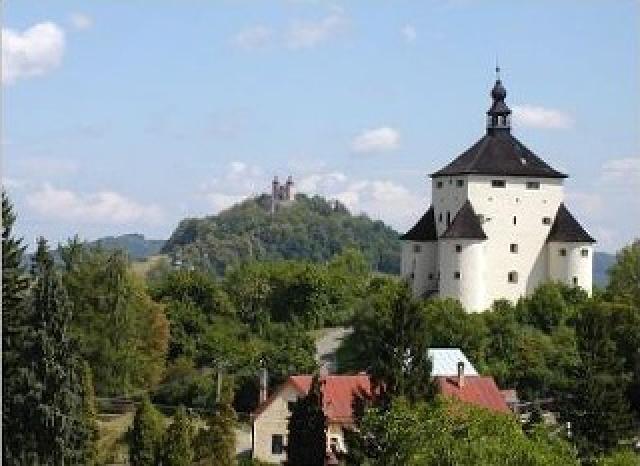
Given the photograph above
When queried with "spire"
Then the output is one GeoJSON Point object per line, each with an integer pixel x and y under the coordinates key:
{"type": "Point", "coordinates": [498, 116]}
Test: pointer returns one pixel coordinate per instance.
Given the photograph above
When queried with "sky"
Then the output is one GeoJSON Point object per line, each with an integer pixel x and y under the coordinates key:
{"type": "Point", "coordinates": [122, 117]}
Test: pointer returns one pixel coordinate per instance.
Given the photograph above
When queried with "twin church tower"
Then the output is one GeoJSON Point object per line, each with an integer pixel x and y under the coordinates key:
{"type": "Point", "coordinates": [497, 226]}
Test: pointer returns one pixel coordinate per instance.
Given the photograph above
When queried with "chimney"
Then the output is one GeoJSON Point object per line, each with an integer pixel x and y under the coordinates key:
{"type": "Point", "coordinates": [460, 374]}
{"type": "Point", "coordinates": [263, 385]}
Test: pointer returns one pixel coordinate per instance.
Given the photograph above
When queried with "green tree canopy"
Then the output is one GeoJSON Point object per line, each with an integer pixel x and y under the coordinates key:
{"type": "Point", "coordinates": [145, 435]}
{"type": "Point", "coordinates": [307, 439]}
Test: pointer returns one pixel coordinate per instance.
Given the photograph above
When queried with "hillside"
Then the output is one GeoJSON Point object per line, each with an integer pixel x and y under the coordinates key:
{"type": "Point", "coordinates": [134, 244]}
{"type": "Point", "coordinates": [601, 263]}
{"type": "Point", "coordinates": [312, 228]}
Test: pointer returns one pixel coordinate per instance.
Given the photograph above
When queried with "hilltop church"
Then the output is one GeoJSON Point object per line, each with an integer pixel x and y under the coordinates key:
{"type": "Point", "coordinates": [497, 226]}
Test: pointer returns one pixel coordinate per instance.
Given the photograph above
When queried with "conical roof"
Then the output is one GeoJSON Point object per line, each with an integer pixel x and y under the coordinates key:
{"type": "Point", "coordinates": [424, 230]}
{"type": "Point", "coordinates": [566, 228]}
{"type": "Point", "coordinates": [465, 225]}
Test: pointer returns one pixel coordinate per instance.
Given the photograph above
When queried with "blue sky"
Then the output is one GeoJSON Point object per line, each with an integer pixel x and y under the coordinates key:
{"type": "Point", "coordinates": [123, 117]}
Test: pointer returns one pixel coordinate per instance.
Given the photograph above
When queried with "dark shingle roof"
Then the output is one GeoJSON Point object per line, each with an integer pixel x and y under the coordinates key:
{"type": "Point", "coordinates": [499, 154]}
{"type": "Point", "coordinates": [465, 225]}
{"type": "Point", "coordinates": [424, 230]}
{"type": "Point", "coordinates": [566, 228]}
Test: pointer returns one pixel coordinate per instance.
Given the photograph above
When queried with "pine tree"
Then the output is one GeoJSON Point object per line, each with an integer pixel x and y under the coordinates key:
{"type": "Point", "coordinates": [178, 441]}
{"type": "Point", "coordinates": [217, 442]}
{"type": "Point", "coordinates": [14, 286]}
{"type": "Point", "coordinates": [50, 424]}
{"type": "Point", "coordinates": [145, 435]}
{"type": "Point", "coordinates": [308, 429]}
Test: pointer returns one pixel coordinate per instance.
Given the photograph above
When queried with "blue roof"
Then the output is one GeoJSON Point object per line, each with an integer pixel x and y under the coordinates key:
{"type": "Point", "coordinates": [445, 362]}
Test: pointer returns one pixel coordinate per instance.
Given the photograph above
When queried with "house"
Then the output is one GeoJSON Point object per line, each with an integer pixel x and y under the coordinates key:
{"type": "Point", "coordinates": [270, 420]}
{"type": "Point", "coordinates": [497, 226]}
{"type": "Point", "coordinates": [444, 362]}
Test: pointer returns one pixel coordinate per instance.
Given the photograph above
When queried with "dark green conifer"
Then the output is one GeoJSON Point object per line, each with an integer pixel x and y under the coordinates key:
{"type": "Point", "coordinates": [145, 435]}
{"type": "Point", "coordinates": [177, 448]}
{"type": "Point", "coordinates": [307, 442]}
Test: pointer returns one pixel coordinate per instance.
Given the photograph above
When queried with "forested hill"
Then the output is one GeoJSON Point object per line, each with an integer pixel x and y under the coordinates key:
{"type": "Point", "coordinates": [311, 228]}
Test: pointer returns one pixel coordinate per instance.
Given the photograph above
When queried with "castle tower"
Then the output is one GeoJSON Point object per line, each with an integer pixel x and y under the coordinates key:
{"type": "Point", "coordinates": [275, 193]}
{"type": "Point", "coordinates": [290, 189]}
{"type": "Point", "coordinates": [497, 226]}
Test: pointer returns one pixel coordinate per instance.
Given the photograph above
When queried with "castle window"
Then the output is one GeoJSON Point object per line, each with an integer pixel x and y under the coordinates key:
{"type": "Point", "coordinates": [533, 185]}
{"type": "Point", "coordinates": [456, 275]}
{"type": "Point", "coordinates": [416, 248]}
{"type": "Point", "coordinates": [448, 218]}
{"type": "Point", "coordinates": [575, 281]}
{"type": "Point", "coordinates": [515, 220]}
{"type": "Point", "coordinates": [546, 220]}
{"type": "Point", "coordinates": [459, 183]}
{"type": "Point", "coordinates": [498, 183]}
{"type": "Point", "coordinates": [481, 218]}
{"type": "Point", "coordinates": [513, 248]}
{"type": "Point", "coordinates": [562, 252]}
{"type": "Point", "coordinates": [439, 184]}
{"type": "Point", "coordinates": [440, 217]}
{"type": "Point", "coordinates": [512, 277]}
{"type": "Point", "coordinates": [277, 444]}
{"type": "Point", "coordinates": [584, 253]}
{"type": "Point", "coordinates": [450, 181]}
{"type": "Point", "coordinates": [458, 247]}
{"type": "Point", "coordinates": [430, 276]}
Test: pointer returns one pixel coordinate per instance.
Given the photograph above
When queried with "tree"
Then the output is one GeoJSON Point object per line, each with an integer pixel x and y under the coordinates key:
{"type": "Point", "coordinates": [51, 424]}
{"type": "Point", "coordinates": [307, 441]}
{"type": "Point", "coordinates": [597, 405]}
{"type": "Point", "coordinates": [90, 415]}
{"type": "Point", "coordinates": [14, 286]}
{"type": "Point", "coordinates": [217, 442]}
{"type": "Point", "coordinates": [624, 275]}
{"type": "Point", "coordinates": [390, 341]}
{"type": "Point", "coordinates": [177, 449]}
{"type": "Point", "coordinates": [145, 435]}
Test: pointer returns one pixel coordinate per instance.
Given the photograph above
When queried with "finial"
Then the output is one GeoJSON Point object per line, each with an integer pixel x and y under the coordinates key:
{"type": "Point", "coordinates": [497, 69]}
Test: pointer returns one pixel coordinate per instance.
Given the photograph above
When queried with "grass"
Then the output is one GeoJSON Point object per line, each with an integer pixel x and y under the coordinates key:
{"type": "Point", "coordinates": [112, 447]}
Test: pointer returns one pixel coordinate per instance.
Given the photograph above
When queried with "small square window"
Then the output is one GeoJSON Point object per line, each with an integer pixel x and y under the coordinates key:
{"type": "Point", "coordinates": [546, 220]}
{"type": "Point", "coordinates": [290, 405]}
{"type": "Point", "coordinates": [575, 281]}
{"type": "Point", "coordinates": [456, 275]}
{"type": "Point", "coordinates": [459, 183]}
{"type": "Point", "coordinates": [417, 248]}
{"type": "Point", "coordinates": [498, 183]}
{"type": "Point", "coordinates": [562, 252]}
{"type": "Point", "coordinates": [512, 277]}
{"type": "Point", "coordinates": [458, 247]}
{"type": "Point", "coordinates": [513, 248]}
{"type": "Point", "coordinates": [480, 218]}
{"type": "Point", "coordinates": [430, 276]}
{"type": "Point", "coordinates": [277, 444]}
{"type": "Point", "coordinates": [584, 253]}
{"type": "Point", "coordinates": [439, 184]}
{"type": "Point", "coordinates": [533, 185]}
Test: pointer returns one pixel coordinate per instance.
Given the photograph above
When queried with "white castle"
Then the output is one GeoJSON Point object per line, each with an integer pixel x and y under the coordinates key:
{"type": "Point", "coordinates": [282, 194]}
{"type": "Point", "coordinates": [497, 226]}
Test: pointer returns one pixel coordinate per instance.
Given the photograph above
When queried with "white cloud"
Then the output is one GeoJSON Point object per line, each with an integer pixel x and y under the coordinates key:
{"type": "Point", "coordinates": [239, 181]}
{"type": "Point", "coordinates": [623, 171]}
{"type": "Point", "coordinates": [321, 181]}
{"type": "Point", "coordinates": [305, 34]}
{"type": "Point", "coordinates": [80, 21]}
{"type": "Point", "coordinates": [253, 37]}
{"type": "Point", "coordinates": [33, 52]}
{"type": "Point", "coordinates": [590, 203]}
{"type": "Point", "coordinates": [376, 140]}
{"type": "Point", "coordinates": [540, 117]}
{"type": "Point", "coordinates": [103, 207]}
{"type": "Point", "coordinates": [409, 33]}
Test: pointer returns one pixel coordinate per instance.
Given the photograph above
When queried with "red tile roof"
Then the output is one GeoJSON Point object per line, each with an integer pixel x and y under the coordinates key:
{"type": "Point", "coordinates": [338, 393]}
{"type": "Point", "coordinates": [477, 390]}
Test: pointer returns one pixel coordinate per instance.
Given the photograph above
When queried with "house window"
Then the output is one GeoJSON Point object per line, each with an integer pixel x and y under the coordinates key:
{"type": "Point", "coordinates": [459, 183]}
{"type": "Point", "coordinates": [533, 185]}
{"type": "Point", "coordinates": [456, 275]}
{"type": "Point", "coordinates": [512, 277]}
{"type": "Point", "coordinates": [515, 220]}
{"type": "Point", "coordinates": [546, 220]}
{"type": "Point", "coordinates": [291, 404]}
{"type": "Point", "coordinates": [498, 183]}
{"type": "Point", "coordinates": [450, 181]}
{"type": "Point", "coordinates": [277, 444]}
{"type": "Point", "coordinates": [458, 247]}
{"type": "Point", "coordinates": [513, 247]}
{"type": "Point", "coordinates": [575, 281]}
{"type": "Point", "coordinates": [562, 252]}
{"type": "Point", "coordinates": [416, 248]}
{"type": "Point", "coordinates": [439, 184]}
{"type": "Point", "coordinates": [584, 253]}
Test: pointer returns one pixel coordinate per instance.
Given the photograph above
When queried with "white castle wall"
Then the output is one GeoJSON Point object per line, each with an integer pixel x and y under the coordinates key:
{"type": "Point", "coordinates": [420, 267]}
{"type": "Point", "coordinates": [448, 199]}
{"type": "Point", "coordinates": [469, 289]}
{"type": "Point", "coordinates": [572, 264]}
{"type": "Point", "coordinates": [499, 206]}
